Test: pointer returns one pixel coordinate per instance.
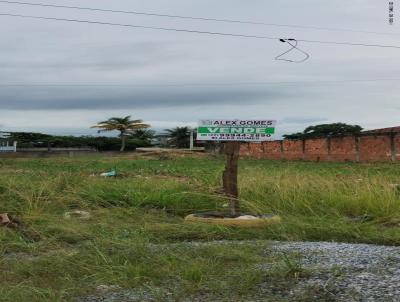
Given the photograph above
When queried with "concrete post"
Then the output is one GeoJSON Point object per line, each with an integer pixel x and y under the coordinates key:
{"type": "Point", "coordinates": [191, 140]}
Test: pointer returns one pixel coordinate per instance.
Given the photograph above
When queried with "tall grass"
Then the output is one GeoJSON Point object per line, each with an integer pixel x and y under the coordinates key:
{"type": "Point", "coordinates": [299, 193]}
{"type": "Point", "coordinates": [136, 216]}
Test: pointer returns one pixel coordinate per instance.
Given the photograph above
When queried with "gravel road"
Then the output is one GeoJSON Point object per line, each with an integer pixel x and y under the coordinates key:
{"type": "Point", "coordinates": [349, 272]}
{"type": "Point", "coordinates": [336, 272]}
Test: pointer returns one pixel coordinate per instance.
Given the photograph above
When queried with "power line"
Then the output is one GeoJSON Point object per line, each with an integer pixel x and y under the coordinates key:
{"type": "Point", "coordinates": [196, 31]}
{"type": "Point", "coordinates": [196, 18]}
{"type": "Point", "coordinates": [198, 84]}
{"type": "Point", "coordinates": [139, 26]}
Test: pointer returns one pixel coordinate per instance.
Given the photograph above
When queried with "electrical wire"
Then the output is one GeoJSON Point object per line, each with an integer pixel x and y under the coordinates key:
{"type": "Point", "coordinates": [196, 31]}
{"type": "Point", "coordinates": [264, 83]}
{"type": "Point", "coordinates": [151, 14]}
{"type": "Point", "coordinates": [139, 26]}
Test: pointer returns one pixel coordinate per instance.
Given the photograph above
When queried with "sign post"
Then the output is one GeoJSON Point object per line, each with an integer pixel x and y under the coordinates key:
{"type": "Point", "coordinates": [230, 187]}
{"type": "Point", "coordinates": [231, 133]}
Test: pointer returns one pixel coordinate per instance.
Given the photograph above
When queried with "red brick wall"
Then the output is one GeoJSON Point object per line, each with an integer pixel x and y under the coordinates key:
{"type": "Point", "coordinates": [375, 148]}
{"type": "Point", "coordinates": [397, 146]}
{"type": "Point", "coordinates": [366, 148]}
{"type": "Point", "coordinates": [292, 149]}
{"type": "Point", "coordinates": [343, 149]}
{"type": "Point", "coordinates": [256, 149]}
{"type": "Point", "coordinates": [316, 149]}
{"type": "Point", "coordinates": [245, 150]}
{"type": "Point", "coordinates": [273, 150]}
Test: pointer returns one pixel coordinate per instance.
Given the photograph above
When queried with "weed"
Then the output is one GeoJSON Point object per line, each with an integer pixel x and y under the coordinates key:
{"type": "Point", "coordinates": [136, 235]}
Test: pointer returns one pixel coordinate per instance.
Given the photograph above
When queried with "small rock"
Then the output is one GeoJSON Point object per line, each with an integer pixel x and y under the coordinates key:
{"type": "Point", "coordinates": [4, 219]}
{"type": "Point", "coordinates": [247, 217]}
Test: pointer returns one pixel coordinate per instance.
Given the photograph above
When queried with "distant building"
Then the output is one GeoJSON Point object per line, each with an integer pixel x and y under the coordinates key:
{"type": "Point", "coordinates": [5, 146]}
{"type": "Point", "coordinates": [160, 140]}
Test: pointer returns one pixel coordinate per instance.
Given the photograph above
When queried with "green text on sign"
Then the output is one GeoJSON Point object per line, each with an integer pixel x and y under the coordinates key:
{"type": "Point", "coordinates": [236, 130]}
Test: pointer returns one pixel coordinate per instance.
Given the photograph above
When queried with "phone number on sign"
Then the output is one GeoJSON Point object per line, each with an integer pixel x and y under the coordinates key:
{"type": "Point", "coordinates": [245, 137]}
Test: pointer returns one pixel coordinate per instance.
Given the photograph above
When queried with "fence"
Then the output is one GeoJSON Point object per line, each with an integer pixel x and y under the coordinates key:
{"type": "Point", "coordinates": [6, 148]}
{"type": "Point", "coordinates": [361, 148]}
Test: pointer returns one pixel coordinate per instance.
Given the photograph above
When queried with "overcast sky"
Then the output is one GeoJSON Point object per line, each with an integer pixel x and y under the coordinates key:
{"type": "Point", "coordinates": [171, 79]}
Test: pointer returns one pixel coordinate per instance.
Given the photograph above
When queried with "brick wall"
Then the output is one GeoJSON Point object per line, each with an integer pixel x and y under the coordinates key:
{"type": "Point", "coordinates": [292, 149]}
{"type": "Point", "coordinates": [316, 149]}
{"type": "Point", "coordinates": [375, 148]}
{"type": "Point", "coordinates": [397, 147]}
{"type": "Point", "coordinates": [344, 149]}
{"type": "Point", "coordinates": [364, 148]}
{"type": "Point", "coordinates": [273, 150]}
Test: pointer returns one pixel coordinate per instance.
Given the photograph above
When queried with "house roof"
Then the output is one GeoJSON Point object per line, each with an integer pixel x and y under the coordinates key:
{"type": "Point", "coordinates": [383, 130]}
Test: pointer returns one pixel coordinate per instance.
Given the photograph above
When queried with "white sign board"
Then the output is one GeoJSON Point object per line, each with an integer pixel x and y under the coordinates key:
{"type": "Point", "coordinates": [236, 130]}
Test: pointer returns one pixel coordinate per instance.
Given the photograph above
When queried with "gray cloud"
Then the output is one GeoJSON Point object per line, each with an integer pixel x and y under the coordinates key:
{"type": "Point", "coordinates": [46, 52]}
{"type": "Point", "coordinates": [130, 55]}
{"type": "Point", "coordinates": [121, 97]}
{"type": "Point", "coordinates": [302, 120]}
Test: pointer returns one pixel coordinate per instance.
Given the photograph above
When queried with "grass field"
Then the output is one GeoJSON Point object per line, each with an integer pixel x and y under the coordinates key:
{"type": "Point", "coordinates": [134, 237]}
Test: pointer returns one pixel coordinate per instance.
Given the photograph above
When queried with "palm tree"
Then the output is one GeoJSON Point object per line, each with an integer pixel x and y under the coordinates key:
{"type": "Point", "coordinates": [179, 136]}
{"type": "Point", "coordinates": [122, 124]}
{"type": "Point", "coordinates": [143, 134]}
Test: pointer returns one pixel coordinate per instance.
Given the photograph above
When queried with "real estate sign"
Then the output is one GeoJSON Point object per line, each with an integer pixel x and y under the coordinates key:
{"type": "Point", "coordinates": [236, 130]}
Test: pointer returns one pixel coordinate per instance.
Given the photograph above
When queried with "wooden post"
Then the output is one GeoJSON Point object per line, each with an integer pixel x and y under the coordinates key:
{"type": "Point", "coordinates": [231, 149]}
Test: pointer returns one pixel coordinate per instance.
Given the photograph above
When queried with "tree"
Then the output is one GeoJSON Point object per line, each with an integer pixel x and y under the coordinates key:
{"type": "Point", "coordinates": [325, 130]}
{"type": "Point", "coordinates": [29, 139]}
{"type": "Point", "coordinates": [144, 135]}
{"type": "Point", "coordinates": [27, 136]}
{"type": "Point", "coordinates": [179, 136]}
{"type": "Point", "coordinates": [122, 124]}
